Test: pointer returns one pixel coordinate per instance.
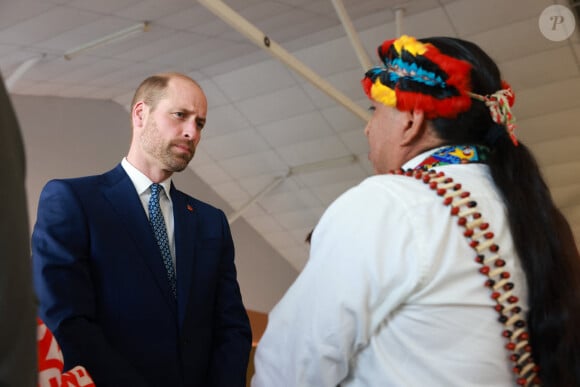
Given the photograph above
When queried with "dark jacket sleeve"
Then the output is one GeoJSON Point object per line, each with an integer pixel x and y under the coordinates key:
{"type": "Point", "coordinates": [232, 334]}
{"type": "Point", "coordinates": [64, 284]}
{"type": "Point", "coordinates": [17, 303]}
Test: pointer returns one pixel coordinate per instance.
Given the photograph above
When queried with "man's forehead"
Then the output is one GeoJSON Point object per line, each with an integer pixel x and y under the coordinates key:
{"type": "Point", "coordinates": [179, 82]}
{"type": "Point", "coordinates": [187, 95]}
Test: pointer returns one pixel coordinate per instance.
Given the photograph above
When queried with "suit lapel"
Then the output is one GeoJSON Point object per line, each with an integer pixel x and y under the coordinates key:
{"type": "Point", "coordinates": [185, 217]}
{"type": "Point", "coordinates": [125, 201]}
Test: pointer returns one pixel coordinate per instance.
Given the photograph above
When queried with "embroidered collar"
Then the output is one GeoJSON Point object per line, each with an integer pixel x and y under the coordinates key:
{"type": "Point", "coordinates": [454, 154]}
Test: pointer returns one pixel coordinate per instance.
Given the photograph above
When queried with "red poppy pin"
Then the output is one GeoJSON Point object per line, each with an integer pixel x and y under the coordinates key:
{"type": "Point", "coordinates": [189, 207]}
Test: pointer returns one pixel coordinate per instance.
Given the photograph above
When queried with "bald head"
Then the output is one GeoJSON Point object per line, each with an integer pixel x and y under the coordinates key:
{"type": "Point", "coordinates": [153, 88]}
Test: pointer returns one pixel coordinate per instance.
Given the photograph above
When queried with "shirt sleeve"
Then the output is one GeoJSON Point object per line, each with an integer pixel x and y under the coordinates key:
{"type": "Point", "coordinates": [362, 266]}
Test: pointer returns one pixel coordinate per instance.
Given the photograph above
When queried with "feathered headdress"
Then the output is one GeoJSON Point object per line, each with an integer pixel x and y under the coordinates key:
{"type": "Point", "coordinates": [417, 75]}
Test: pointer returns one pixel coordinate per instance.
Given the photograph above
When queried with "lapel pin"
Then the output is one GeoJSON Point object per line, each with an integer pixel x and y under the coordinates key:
{"type": "Point", "coordinates": [189, 207]}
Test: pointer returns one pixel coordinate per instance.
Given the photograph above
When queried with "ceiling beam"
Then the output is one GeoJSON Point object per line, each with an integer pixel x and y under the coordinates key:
{"type": "Point", "coordinates": [303, 168]}
{"type": "Point", "coordinates": [238, 22]}
{"type": "Point", "coordinates": [399, 13]}
{"type": "Point", "coordinates": [275, 183]}
{"type": "Point", "coordinates": [20, 70]}
{"type": "Point", "coordinates": [108, 39]}
{"type": "Point", "coordinates": [361, 53]}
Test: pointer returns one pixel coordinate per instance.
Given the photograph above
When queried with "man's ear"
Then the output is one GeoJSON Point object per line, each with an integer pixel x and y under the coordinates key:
{"type": "Point", "coordinates": [415, 127]}
{"type": "Point", "coordinates": [138, 114]}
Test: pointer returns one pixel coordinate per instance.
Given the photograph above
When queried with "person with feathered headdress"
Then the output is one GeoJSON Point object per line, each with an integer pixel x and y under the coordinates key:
{"type": "Point", "coordinates": [451, 266]}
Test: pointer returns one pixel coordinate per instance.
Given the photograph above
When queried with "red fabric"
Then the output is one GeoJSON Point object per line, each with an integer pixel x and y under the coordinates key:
{"type": "Point", "coordinates": [51, 363]}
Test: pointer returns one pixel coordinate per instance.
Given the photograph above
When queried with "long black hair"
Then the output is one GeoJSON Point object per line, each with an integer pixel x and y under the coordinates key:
{"type": "Point", "coordinates": [541, 234]}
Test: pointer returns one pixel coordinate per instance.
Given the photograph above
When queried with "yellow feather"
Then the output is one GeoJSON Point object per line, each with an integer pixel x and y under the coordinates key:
{"type": "Point", "coordinates": [410, 44]}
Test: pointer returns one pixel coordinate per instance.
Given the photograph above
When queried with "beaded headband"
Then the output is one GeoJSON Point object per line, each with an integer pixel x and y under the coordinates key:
{"type": "Point", "coordinates": [417, 75]}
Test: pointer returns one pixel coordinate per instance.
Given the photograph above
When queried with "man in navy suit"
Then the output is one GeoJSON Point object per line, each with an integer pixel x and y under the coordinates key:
{"type": "Point", "coordinates": [100, 274]}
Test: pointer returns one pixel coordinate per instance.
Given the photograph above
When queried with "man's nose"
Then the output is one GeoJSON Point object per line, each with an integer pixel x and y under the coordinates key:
{"type": "Point", "coordinates": [190, 130]}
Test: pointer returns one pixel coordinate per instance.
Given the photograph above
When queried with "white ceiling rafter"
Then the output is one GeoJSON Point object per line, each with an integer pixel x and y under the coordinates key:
{"type": "Point", "coordinates": [21, 70]}
{"type": "Point", "coordinates": [228, 15]}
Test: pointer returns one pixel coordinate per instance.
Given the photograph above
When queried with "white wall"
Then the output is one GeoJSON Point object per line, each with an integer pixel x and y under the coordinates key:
{"type": "Point", "coordinates": [76, 137]}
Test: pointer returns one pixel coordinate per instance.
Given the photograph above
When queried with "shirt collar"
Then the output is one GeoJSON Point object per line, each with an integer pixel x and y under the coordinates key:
{"type": "Point", "coordinates": [140, 181]}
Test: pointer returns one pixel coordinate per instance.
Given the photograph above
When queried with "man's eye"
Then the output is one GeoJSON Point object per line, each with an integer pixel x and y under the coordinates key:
{"type": "Point", "coordinates": [179, 114]}
{"type": "Point", "coordinates": [200, 123]}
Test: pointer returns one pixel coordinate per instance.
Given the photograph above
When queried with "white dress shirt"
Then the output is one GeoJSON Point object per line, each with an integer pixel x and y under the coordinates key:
{"type": "Point", "coordinates": [391, 294]}
{"type": "Point", "coordinates": [142, 184]}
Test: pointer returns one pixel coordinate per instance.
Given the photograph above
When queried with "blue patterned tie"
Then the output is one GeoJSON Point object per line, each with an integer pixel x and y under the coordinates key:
{"type": "Point", "coordinates": [158, 225]}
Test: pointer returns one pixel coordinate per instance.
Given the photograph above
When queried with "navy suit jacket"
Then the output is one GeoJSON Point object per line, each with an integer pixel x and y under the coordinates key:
{"type": "Point", "coordinates": [104, 293]}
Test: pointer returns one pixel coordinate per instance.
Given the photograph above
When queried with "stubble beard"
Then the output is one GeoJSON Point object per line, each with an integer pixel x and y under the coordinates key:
{"type": "Point", "coordinates": [165, 154]}
{"type": "Point", "coordinates": [175, 162]}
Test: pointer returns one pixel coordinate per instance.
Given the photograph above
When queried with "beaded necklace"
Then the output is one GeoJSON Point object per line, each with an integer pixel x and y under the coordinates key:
{"type": "Point", "coordinates": [480, 238]}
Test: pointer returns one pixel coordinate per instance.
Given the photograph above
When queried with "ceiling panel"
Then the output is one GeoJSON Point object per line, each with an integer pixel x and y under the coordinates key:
{"type": "Point", "coordinates": [274, 106]}
{"type": "Point", "coordinates": [255, 164]}
{"type": "Point", "coordinates": [211, 173]}
{"type": "Point", "coordinates": [189, 18]}
{"type": "Point", "coordinates": [355, 140]}
{"type": "Point", "coordinates": [264, 224]}
{"type": "Point", "coordinates": [327, 193]}
{"type": "Point", "coordinates": [232, 192]}
{"type": "Point", "coordinates": [224, 119]}
{"type": "Point", "coordinates": [566, 196]}
{"type": "Point", "coordinates": [331, 175]}
{"type": "Point", "coordinates": [538, 128]}
{"type": "Point", "coordinates": [526, 33]}
{"type": "Point", "coordinates": [474, 16]}
{"type": "Point", "coordinates": [343, 120]}
{"type": "Point", "coordinates": [557, 151]}
{"type": "Point", "coordinates": [160, 43]}
{"type": "Point", "coordinates": [236, 144]}
{"type": "Point", "coordinates": [308, 126]}
{"type": "Point", "coordinates": [15, 12]}
{"type": "Point", "coordinates": [534, 102]}
{"type": "Point", "coordinates": [326, 148]}
{"type": "Point", "coordinates": [537, 69]}
{"type": "Point", "coordinates": [102, 6]}
{"type": "Point", "coordinates": [251, 81]}
{"type": "Point", "coordinates": [53, 22]}
{"type": "Point", "coordinates": [153, 9]}
{"type": "Point", "coordinates": [255, 184]}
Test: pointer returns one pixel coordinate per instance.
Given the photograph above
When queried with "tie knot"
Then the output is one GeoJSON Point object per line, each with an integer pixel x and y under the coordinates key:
{"type": "Point", "coordinates": [156, 189]}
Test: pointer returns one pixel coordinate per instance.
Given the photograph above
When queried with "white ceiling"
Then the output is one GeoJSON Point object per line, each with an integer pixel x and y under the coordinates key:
{"type": "Point", "coordinates": [265, 120]}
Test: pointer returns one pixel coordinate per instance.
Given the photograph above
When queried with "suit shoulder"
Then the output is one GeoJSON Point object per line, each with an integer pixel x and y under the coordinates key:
{"type": "Point", "coordinates": [80, 183]}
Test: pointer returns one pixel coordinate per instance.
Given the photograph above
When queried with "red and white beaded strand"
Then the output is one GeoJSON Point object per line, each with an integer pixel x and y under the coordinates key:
{"type": "Point", "coordinates": [480, 239]}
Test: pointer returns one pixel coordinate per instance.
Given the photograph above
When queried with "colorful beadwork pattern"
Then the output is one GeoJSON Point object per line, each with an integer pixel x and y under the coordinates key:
{"type": "Point", "coordinates": [456, 154]}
